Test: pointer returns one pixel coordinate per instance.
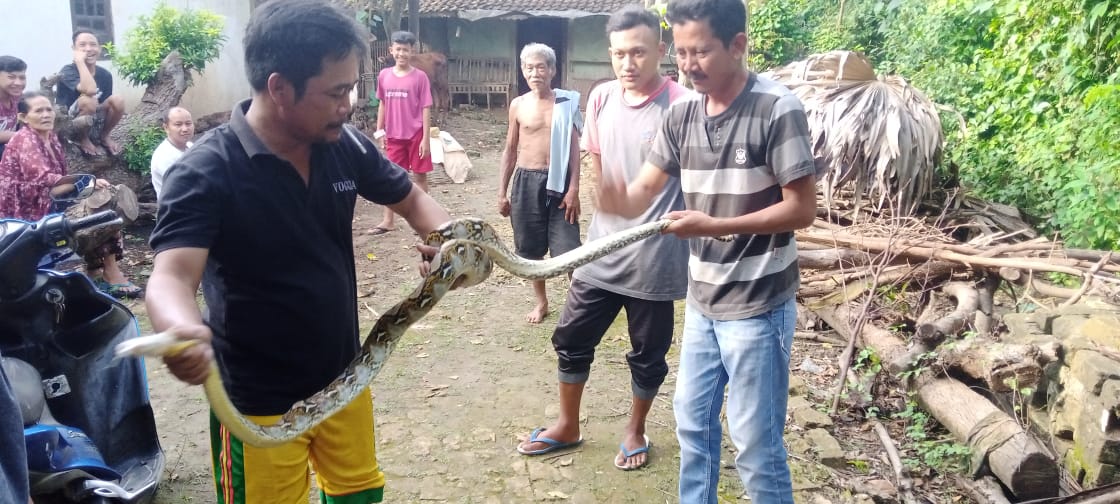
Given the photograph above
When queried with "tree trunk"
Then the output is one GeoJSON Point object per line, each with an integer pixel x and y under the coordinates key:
{"type": "Point", "coordinates": [414, 17]}
{"type": "Point", "coordinates": [393, 21]}
{"type": "Point", "coordinates": [210, 121]}
{"type": "Point", "coordinates": [172, 80]}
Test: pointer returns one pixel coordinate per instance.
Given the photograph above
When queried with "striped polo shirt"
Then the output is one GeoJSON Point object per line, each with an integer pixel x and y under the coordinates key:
{"type": "Point", "coordinates": [729, 165]}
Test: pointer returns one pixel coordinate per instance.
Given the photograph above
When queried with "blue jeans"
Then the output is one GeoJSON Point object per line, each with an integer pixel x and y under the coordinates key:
{"type": "Point", "coordinates": [752, 357]}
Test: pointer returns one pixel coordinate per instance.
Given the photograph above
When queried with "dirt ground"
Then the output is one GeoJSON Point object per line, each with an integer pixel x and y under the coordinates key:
{"type": "Point", "coordinates": [471, 379]}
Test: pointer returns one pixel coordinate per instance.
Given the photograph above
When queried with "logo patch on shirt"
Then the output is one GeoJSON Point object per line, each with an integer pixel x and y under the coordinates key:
{"type": "Point", "coordinates": [345, 186]}
{"type": "Point", "coordinates": [647, 136]}
{"type": "Point", "coordinates": [740, 155]}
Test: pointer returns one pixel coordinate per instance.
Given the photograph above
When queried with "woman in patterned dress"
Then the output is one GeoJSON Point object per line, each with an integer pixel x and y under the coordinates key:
{"type": "Point", "coordinates": [32, 164]}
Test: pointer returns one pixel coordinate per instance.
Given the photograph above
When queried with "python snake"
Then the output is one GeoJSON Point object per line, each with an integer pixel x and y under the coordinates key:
{"type": "Point", "coordinates": [468, 249]}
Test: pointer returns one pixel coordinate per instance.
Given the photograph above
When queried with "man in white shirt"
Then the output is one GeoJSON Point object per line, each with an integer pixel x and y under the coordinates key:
{"type": "Point", "coordinates": [179, 126]}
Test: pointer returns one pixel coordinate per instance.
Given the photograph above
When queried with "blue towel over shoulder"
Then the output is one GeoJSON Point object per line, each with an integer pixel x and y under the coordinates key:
{"type": "Point", "coordinates": [565, 115]}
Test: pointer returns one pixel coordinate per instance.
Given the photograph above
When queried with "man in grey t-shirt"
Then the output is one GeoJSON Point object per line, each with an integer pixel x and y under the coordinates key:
{"type": "Point", "coordinates": [623, 118]}
{"type": "Point", "coordinates": [741, 151]}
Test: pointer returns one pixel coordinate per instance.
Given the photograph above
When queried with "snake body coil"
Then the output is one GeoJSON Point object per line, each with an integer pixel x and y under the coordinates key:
{"type": "Point", "coordinates": [468, 249]}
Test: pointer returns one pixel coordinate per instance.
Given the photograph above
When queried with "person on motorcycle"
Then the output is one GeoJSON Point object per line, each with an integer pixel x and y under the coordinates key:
{"type": "Point", "coordinates": [13, 457]}
{"type": "Point", "coordinates": [33, 162]}
{"type": "Point", "coordinates": [260, 212]}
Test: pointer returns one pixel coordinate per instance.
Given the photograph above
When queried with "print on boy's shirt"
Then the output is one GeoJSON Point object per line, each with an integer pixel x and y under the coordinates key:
{"type": "Point", "coordinates": [396, 93]}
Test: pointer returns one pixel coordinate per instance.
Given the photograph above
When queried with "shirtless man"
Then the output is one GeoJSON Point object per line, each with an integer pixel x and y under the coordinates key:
{"type": "Point", "coordinates": [543, 205]}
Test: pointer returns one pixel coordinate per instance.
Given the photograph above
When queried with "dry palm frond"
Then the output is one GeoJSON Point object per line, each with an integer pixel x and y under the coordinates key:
{"type": "Point", "coordinates": [877, 133]}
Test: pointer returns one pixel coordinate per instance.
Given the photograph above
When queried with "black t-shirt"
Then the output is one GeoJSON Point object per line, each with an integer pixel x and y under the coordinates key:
{"type": "Point", "coordinates": [280, 283]}
{"type": "Point", "coordinates": [68, 78]}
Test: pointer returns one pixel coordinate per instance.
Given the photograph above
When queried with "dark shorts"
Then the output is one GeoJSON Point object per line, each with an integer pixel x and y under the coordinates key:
{"type": "Point", "coordinates": [538, 221]}
{"type": "Point", "coordinates": [587, 315]}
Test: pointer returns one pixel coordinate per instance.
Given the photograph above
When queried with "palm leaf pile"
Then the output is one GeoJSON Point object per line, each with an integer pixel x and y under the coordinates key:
{"type": "Point", "coordinates": [877, 133]}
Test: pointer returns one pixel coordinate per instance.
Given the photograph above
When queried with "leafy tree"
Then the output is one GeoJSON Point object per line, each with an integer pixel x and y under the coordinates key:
{"type": "Point", "coordinates": [196, 34]}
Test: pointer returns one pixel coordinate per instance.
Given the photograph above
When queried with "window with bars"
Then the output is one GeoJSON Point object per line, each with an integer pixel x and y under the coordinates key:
{"type": "Point", "coordinates": [95, 16]}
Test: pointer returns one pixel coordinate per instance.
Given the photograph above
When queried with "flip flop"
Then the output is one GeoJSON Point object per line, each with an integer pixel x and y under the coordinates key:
{"type": "Point", "coordinates": [127, 290]}
{"type": "Point", "coordinates": [379, 231]}
{"type": "Point", "coordinates": [630, 453]}
{"type": "Point", "coordinates": [553, 445]}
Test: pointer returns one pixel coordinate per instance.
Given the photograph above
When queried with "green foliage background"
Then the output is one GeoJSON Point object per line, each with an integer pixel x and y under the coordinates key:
{"type": "Point", "coordinates": [137, 154]}
{"type": "Point", "coordinates": [1038, 84]}
{"type": "Point", "coordinates": [196, 34]}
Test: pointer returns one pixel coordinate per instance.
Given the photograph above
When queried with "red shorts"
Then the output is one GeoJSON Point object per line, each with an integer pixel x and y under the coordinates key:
{"type": "Point", "coordinates": [406, 153]}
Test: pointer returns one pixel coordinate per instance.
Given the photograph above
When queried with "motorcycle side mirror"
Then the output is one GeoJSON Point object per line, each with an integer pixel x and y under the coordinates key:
{"type": "Point", "coordinates": [72, 188]}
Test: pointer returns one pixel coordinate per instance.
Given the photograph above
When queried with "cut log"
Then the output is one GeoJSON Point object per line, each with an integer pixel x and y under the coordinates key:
{"type": "Point", "coordinates": [1002, 366]}
{"type": "Point", "coordinates": [118, 198]}
{"type": "Point", "coordinates": [933, 333]}
{"type": "Point", "coordinates": [997, 442]}
{"type": "Point", "coordinates": [1000, 446]}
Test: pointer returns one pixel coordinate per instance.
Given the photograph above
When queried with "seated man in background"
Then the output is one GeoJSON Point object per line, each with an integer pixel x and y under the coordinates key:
{"type": "Point", "coordinates": [86, 90]}
{"type": "Point", "coordinates": [179, 126]}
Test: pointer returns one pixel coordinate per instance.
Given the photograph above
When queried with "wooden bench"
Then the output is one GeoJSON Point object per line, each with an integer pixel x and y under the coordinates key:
{"type": "Point", "coordinates": [471, 76]}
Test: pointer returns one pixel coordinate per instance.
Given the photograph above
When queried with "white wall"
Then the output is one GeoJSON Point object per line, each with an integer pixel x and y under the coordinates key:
{"type": "Point", "coordinates": [41, 39]}
{"type": "Point", "coordinates": [45, 45]}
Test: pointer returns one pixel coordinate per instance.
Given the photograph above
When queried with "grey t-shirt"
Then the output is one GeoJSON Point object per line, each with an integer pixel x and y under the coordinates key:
{"type": "Point", "coordinates": [733, 164]}
{"type": "Point", "coordinates": [654, 269]}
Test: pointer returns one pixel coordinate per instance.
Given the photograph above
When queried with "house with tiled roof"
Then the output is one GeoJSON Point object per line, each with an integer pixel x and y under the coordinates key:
{"type": "Point", "coordinates": [482, 40]}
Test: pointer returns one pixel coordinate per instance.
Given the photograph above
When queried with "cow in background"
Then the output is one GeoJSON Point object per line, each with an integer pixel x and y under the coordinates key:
{"type": "Point", "coordinates": [433, 64]}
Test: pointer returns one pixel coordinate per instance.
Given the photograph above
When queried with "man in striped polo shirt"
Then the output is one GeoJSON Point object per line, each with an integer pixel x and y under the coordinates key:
{"type": "Point", "coordinates": [741, 150]}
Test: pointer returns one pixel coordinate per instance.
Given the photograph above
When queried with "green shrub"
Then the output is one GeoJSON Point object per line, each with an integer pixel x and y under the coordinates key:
{"type": "Point", "coordinates": [196, 34]}
{"type": "Point", "coordinates": [137, 155]}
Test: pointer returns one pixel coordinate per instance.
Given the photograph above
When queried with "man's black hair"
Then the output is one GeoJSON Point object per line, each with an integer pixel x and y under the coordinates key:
{"type": "Point", "coordinates": [403, 37]}
{"type": "Point", "coordinates": [631, 16]}
{"type": "Point", "coordinates": [12, 64]}
{"type": "Point", "coordinates": [726, 18]}
{"type": "Point", "coordinates": [79, 31]}
{"type": "Point", "coordinates": [293, 37]}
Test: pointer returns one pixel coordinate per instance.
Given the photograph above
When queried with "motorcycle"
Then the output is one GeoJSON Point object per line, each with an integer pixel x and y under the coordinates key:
{"type": "Point", "coordinates": [88, 423]}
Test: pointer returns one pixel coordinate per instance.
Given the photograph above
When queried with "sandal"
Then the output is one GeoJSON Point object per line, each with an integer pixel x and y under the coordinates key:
{"type": "Point", "coordinates": [126, 290]}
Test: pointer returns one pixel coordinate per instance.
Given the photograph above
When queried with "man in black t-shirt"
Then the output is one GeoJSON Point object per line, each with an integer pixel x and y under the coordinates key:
{"type": "Point", "coordinates": [260, 210]}
{"type": "Point", "coordinates": [86, 90]}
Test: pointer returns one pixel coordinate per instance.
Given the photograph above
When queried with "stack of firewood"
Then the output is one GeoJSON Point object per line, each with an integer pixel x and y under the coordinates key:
{"type": "Point", "coordinates": [957, 262]}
